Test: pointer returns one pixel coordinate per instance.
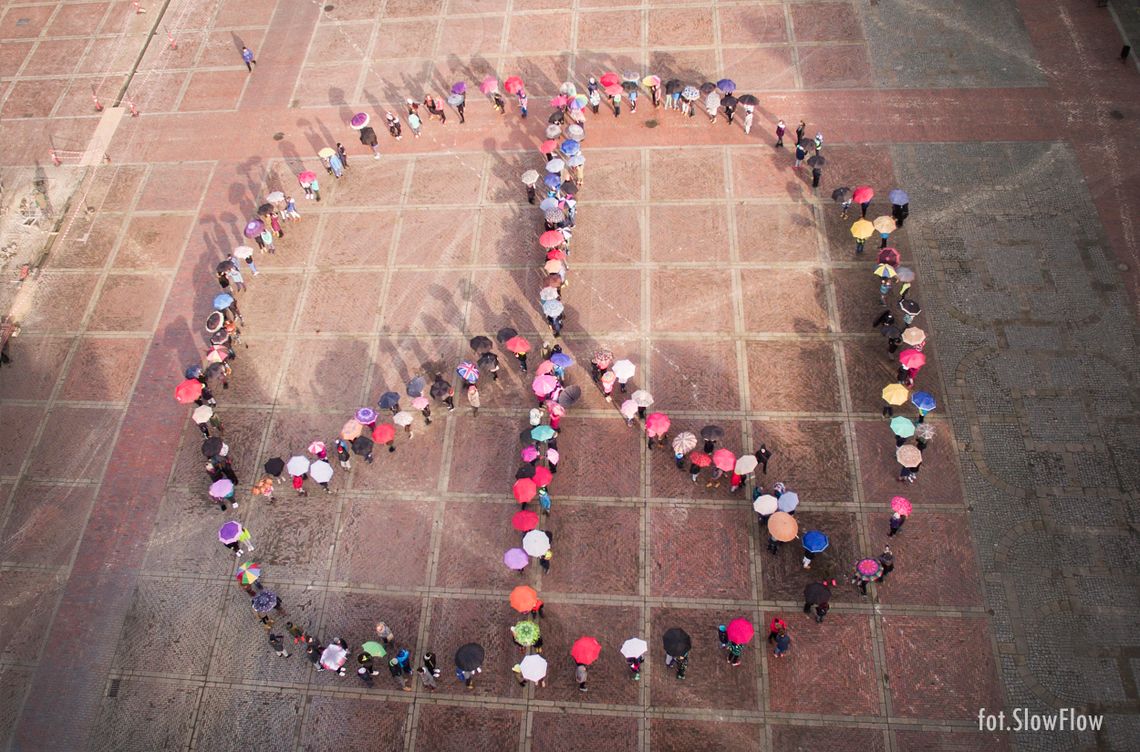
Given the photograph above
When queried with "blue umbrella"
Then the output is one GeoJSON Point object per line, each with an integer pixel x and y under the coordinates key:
{"type": "Point", "coordinates": [416, 386]}
{"type": "Point", "coordinates": [467, 371]}
{"type": "Point", "coordinates": [222, 301]}
{"type": "Point", "coordinates": [388, 400]}
{"type": "Point", "coordinates": [562, 360]}
{"type": "Point", "coordinates": [788, 502]}
{"type": "Point", "coordinates": [570, 147]}
{"type": "Point", "coordinates": [552, 181]}
{"type": "Point", "coordinates": [727, 85]}
{"type": "Point", "coordinates": [898, 197]}
{"type": "Point", "coordinates": [542, 433]}
{"type": "Point", "coordinates": [924, 401]}
{"type": "Point", "coordinates": [552, 308]}
{"type": "Point", "coordinates": [193, 372]}
{"type": "Point", "coordinates": [548, 204]}
{"type": "Point", "coordinates": [815, 541]}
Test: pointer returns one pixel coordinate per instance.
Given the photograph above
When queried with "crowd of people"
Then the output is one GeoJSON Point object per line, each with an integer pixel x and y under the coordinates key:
{"type": "Point", "coordinates": [553, 189]}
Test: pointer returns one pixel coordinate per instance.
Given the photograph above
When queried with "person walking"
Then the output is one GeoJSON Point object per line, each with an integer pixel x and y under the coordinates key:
{"type": "Point", "coordinates": [426, 676]}
{"type": "Point", "coordinates": [800, 131]}
{"type": "Point", "coordinates": [434, 109]}
{"type": "Point", "coordinates": [735, 652]}
{"type": "Point", "coordinates": [205, 419]}
{"type": "Point", "coordinates": [342, 153]}
{"type": "Point", "coordinates": [801, 153]}
{"type": "Point", "coordinates": [275, 225]}
{"type": "Point", "coordinates": [397, 672]}
{"type": "Point", "coordinates": [749, 113]}
{"type": "Point", "coordinates": [887, 560]}
{"type": "Point", "coordinates": [897, 521]}
{"type": "Point", "coordinates": [763, 454]}
{"type": "Point", "coordinates": [247, 58]}
{"type": "Point", "coordinates": [277, 642]}
{"type": "Point", "coordinates": [816, 174]}
{"type": "Point", "coordinates": [817, 142]}
{"type": "Point", "coordinates": [616, 101]}
{"type": "Point", "coordinates": [342, 454]}
{"type": "Point", "coordinates": [460, 107]}
{"type": "Point", "coordinates": [900, 212]}
{"type": "Point", "coordinates": [522, 103]}
{"type": "Point", "coordinates": [369, 139]}
{"type": "Point", "coordinates": [522, 361]}
{"type": "Point", "coordinates": [473, 399]}
{"type": "Point", "coordinates": [414, 123]}
{"type": "Point", "coordinates": [291, 212]}
{"type": "Point", "coordinates": [393, 124]}
{"type": "Point", "coordinates": [384, 632]}
{"type": "Point", "coordinates": [780, 129]}
{"type": "Point", "coordinates": [580, 676]}
{"type": "Point", "coordinates": [595, 99]}
{"type": "Point", "coordinates": [782, 641]}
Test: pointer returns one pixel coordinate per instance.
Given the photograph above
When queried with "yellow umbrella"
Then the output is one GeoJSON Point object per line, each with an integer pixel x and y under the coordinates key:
{"type": "Point", "coordinates": [326, 152]}
{"type": "Point", "coordinates": [884, 224]}
{"type": "Point", "coordinates": [782, 526]}
{"type": "Point", "coordinates": [895, 394]}
{"type": "Point", "coordinates": [885, 271]}
{"type": "Point", "coordinates": [914, 336]}
{"type": "Point", "coordinates": [862, 229]}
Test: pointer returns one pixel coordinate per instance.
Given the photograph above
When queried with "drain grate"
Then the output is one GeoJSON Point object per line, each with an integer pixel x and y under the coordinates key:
{"type": "Point", "coordinates": [113, 689]}
{"type": "Point", "coordinates": [23, 21]}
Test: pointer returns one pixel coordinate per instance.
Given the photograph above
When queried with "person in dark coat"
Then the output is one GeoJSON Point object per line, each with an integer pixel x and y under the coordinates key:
{"type": "Point", "coordinates": [897, 521]}
{"type": "Point", "coordinates": [368, 138]}
{"type": "Point", "coordinates": [900, 212]}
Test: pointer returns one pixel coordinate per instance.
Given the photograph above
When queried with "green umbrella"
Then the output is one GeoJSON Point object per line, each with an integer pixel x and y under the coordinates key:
{"type": "Point", "coordinates": [374, 649]}
{"type": "Point", "coordinates": [902, 426]}
{"type": "Point", "coordinates": [526, 633]}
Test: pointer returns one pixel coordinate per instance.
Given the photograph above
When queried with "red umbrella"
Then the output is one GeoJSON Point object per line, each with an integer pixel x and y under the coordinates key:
{"type": "Point", "coordinates": [656, 424]}
{"type": "Point", "coordinates": [551, 239]}
{"type": "Point", "coordinates": [490, 83]}
{"type": "Point", "coordinates": [888, 256]}
{"type": "Point", "coordinates": [863, 194]}
{"type": "Point", "coordinates": [524, 490]}
{"type": "Point", "coordinates": [614, 90]}
{"type": "Point", "coordinates": [542, 477]}
{"type": "Point", "coordinates": [559, 101]}
{"type": "Point", "coordinates": [700, 459]}
{"type": "Point", "coordinates": [524, 520]}
{"type": "Point", "coordinates": [307, 176]}
{"type": "Point", "coordinates": [513, 85]}
{"type": "Point", "coordinates": [383, 433]}
{"type": "Point", "coordinates": [610, 79]}
{"type": "Point", "coordinates": [555, 255]}
{"type": "Point", "coordinates": [548, 146]}
{"type": "Point", "coordinates": [912, 359]}
{"type": "Point", "coordinates": [586, 650]}
{"type": "Point", "coordinates": [517, 345]}
{"type": "Point", "coordinates": [740, 631]}
{"type": "Point", "coordinates": [188, 391]}
{"type": "Point", "coordinates": [724, 460]}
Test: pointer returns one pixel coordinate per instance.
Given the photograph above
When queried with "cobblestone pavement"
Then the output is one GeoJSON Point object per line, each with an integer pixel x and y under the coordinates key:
{"type": "Point", "coordinates": [715, 267]}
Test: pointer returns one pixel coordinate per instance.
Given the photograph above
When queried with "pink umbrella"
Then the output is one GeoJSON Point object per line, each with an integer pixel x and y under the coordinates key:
{"type": "Point", "coordinates": [316, 447]}
{"type": "Point", "coordinates": [901, 504]}
{"type": "Point", "coordinates": [544, 384]}
{"type": "Point", "coordinates": [419, 403]}
{"type": "Point", "coordinates": [555, 408]}
{"type": "Point", "coordinates": [912, 359]}
{"type": "Point", "coordinates": [552, 456]}
{"type": "Point", "coordinates": [545, 366]}
{"type": "Point", "coordinates": [559, 101]}
{"type": "Point", "coordinates": [307, 177]}
{"type": "Point", "coordinates": [656, 424]}
{"type": "Point", "coordinates": [221, 488]}
{"type": "Point", "coordinates": [515, 558]}
{"type": "Point", "coordinates": [513, 85]}
{"type": "Point", "coordinates": [724, 460]}
{"type": "Point", "coordinates": [628, 409]}
{"type": "Point", "coordinates": [529, 453]}
{"type": "Point", "coordinates": [740, 631]}
{"type": "Point", "coordinates": [490, 84]}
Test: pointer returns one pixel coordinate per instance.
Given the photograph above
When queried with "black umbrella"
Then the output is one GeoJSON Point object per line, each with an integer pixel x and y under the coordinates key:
{"type": "Point", "coordinates": [224, 266]}
{"type": "Point", "coordinates": [220, 337]}
{"type": "Point", "coordinates": [712, 433]}
{"type": "Point", "coordinates": [677, 642]}
{"type": "Point", "coordinates": [212, 446]}
{"type": "Point", "coordinates": [673, 85]}
{"type": "Point", "coordinates": [839, 195]}
{"type": "Point", "coordinates": [505, 333]}
{"type": "Point", "coordinates": [469, 657]}
{"type": "Point", "coordinates": [556, 117]}
{"type": "Point", "coordinates": [748, 99]}
{"type": "Point", "coordinates": [481, 344]}
{"type": "Point", "coordinates": [416, 386]}
{"type": "Point", "coordinates": [389, 400]}
{"type": "Point", "coordinates": [570, 395]}
{"type": "Point", "coordinates": [526, 471]}
{"type": "Point", "coordinates": [488, 360]}
{"type": "Point", "coordinates": [708, 87]}
{"type": "Point", "coordinates": [526, 438]}
{"type": "Point", "coordinates": [214, 370]}
{"type": "Point", "coordinates": [215, 321]}
{"type": "Point", "coordinates": [910, 307]}
{"type": "Point", "coordinates": [629, 85]}
{"type": "Point", "coordinates": [264, 601]}
{"type": "Point", "coordinates": [889, 331]}
{"type": "Point", "coordinates": [362, 445]}
{"type": "Point", "coordinates": [729, 101]}
{"type": "Point", "coordinates": [817, 592]}
{"type": "Point", "coordinates": [816, 160]}
{"type": "Point", "coordinates": [265, 209]}
{"type": "Point", "coordinates": [275, 466]}
{"type": "Point", "coordinates": [440, 388]}
{"type": "Point", "coordinates": [806, 142]}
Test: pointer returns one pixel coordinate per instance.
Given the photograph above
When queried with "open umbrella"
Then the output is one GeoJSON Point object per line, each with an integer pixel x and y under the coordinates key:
{"type": "Point", "coordinates": [868, 569]}
{"type": "Point", "coordinates": [489, 84]}
{"type": "Point", "coordinates": [628, 409]}
{"type": "Point", "coordinates": [481, 344]}
{"type": "Point", "coordinates": [562, 360]}
{"type": "Point", "coordinates": [690, 93]}
{"type": "Point", "coordinates": [358, 121]}
{"type": "Point", "coordinates": [351, 429]}
{"type": "Point", "coordinates": [515, 558]}
{"type": "Point", "coordinates": [365, 415]}
{"type": "Point", "coordinates": [212, 447]}
{"type": "Point", "coordinates": [388, 400]}
{"type": "Point", "coordinates": [214, 322]}
{"type": "Point", "coordinates": [911, 358]}
{"type": "Point", "coordinates": [264, 602]}
{"type": "Point", "coordinates": [727, 85]}
{"type": "Point", "coordinates": [414, 388]}
{"type": "Point", "coordinates": [906, 274]}
{"type": "Point", "coordinates": [924, 432]}
{"type": "Point", "coordinates": [642, 398]}
{"type": "Point", "coordinates": [901, 504]}
{"type": "Point", "coordinates": [910, 306]}
{"type": "Point", "coordinates": [885, 271]}
{"type": "Point", "coordinates": [524, 521]}
{"type": "Point", "coordinates": [549, 145]}
{"type": "Point", "coordinates": [603, 358]}
{"type": "Point", "coordinates": [526, 633]}
{"type": "Point", "coordinates": [253, 228]}
{"type": "Point", "coordinates": [765, 504]}
{"type": "Point", "coordinates": [712, 433]}
{"type": "Point", "coordinates": [530, 177]}
{"type": "Point", "coordinates": [673, 85]}
{"type": "Point", "coordinates": [455, 100]}
{"type": "Point", "coordinates": [908, 456]}
{"type": "Point", "coordinates": [383, 433]}
{"type": "Point", "coordinates": [898, 197]}
{"type": "Point", "coordinates": [321, 471]}
{"type": "Point", "coordinates": [895, 394]}
{"type": "Point", "coordinates": [554, 216]}
{"type": "Point", "coordinates": [651, 81]}
{"type": "Point", "coordinates": [217, 355]}
{"type": "Point", "coordinates": [724, 460]}
{"type": "Point", "coordinates": [634, 647]}
{"type": "Point", "coordinates": [524, 490]}
{"type": "Point", "coordinates": [230, 532]}
{"type": "Point", "coordinates": [316, 447]}
{"type": "Point", "coordinates": [676, 642]}
{"type": "Point", "coordinates": [863, 194]}
{"type": "Point", "coordinates": [815, 541]}
{"type": "Point", "coordinates": [305, 177]}
{"type": "Point", "coordinates": [570, 147]}
{"type": "Point", "coordinates": [513, 84]}
{"type": "Point", "coordinates": [700, 459]}
{"type": "Point", "coordinates": [248, 572]}
{"type": "Point", "coordinates": [542, 477]}
{"type": "Point", "coordinates": [469, 657]}
{"type": "Point", "coordinates": [517, 345]}
{"type": "Point", "coordinates": [569, 395]}
{"type": "Point", "coordinates": [374, 649]}
{"type": "Point", "coordinates": [740, 631]}
{"type": "Point", "coordinates": [841, 194]}
{"type": "Point", "coordinates": [745, 464]}
{"type": "Point", "coordinates": [556, 117]}
{"type": "Point", "coordinates": [554, 167]}
{"type": "Point", "coordinates": [684, 442]}
{"type": "Point", "coordinates": [533, 667]}
{"type": "Point", "coordinates": [576, 160]}
{"type": "Point", "coordinates": [542, 433]}
{"type": "Point", "coordinates": [459, 87]}
{"type": "Point", "coordinates": [362, 445]}
{"type": "Point", "coordinates": [748, 99]}
{"type": "Point", "coordinates": [624, 370]}
{"type": "Point", "coordinates": [817, 592]}
{"type": "Point", "coordinates": [202, 413]}
{"type": "Point", "coordinates": [609, 79]}
{"type": "Point", "coordinates": [629, 86]}
{"type": "Point", "coordinates": [548, 293]}
{"type": "Point", "coordinates": [568, 88]}
{"type": "Point", "coordinates": [585, 650]}
{"type": "Point", "coordinates": [544, 367]}
{"type": "Point", "coordinates": [467, 371]}
{"type": "Point", "coordinates": [326, 152]}
{"type": "Point", "coordinates": [274, 466]}
{"type": "Point", "coordinates": [787, 501]}
{"type": "Point", "coordinates": [656, 424]}
{"type": "Point", "coordinates": [403, 418]}
{"type": "Point", "coordinates": [914, 336]}
{"type": "Point", "coordinates": [575, 131]}
{"type": "Point", "coordinates": [924, 401]}
{"type": "Point", "coordinates": [884, 224]}
{"type": "Point", "coordinates": [524, 598]}
{"type": "Point", "coordinates": [297, 465]}
{"type": "Point", "coordinates": [862, 229]}
{"type": "Point", "coordinates": [536, 543]}
{"type": "Point", "coordinates": [902, 427]}
{"type": "Point", "coordinates": [188, 391]}
{"type": "Point", "coordinates": [544, 384]}
{"type": "Point", "coordinates": [889, 256]}
{"type": "Point", "coordinates": [706, 88]}
{"type": "Point", "coordinates": [782, 526]}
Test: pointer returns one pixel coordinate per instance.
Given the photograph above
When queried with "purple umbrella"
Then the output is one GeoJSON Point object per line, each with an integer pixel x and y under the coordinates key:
{"type": "Point", "coordinates": [254, 228]}
{"type": "Point", "coordinates": [459, 87]}
{"type": "Point", "coordinates": [366, 415]}
{"type": "Point", "coordinates": [221, 489]}
{"type": "Point", "coordinates": [515, 558]}
{"type": "Point", "coordinates": [229, 532]}
{"type": "Point", "coordinates": [359, 120]}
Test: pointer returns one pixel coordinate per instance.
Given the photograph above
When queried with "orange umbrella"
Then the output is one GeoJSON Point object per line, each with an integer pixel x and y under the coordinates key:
{"type": "Point", "coordinates": [782, 526]}
{"type": "Point", "coordinates": [524, 598]}
{"type": "Point", "coordinates": [188, 391]}
{"type": "Point", "coordinates": [351, 429]}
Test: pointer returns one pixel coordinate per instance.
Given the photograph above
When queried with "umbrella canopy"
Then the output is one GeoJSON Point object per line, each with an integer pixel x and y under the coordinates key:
{"type": "Point", "coordinates": [624, 370]}
{"type": "Point", "coordinates": [530, 177]}
{"type": "Point", "coordinates": [745, 464]}
{"type": "Point", "coordinates": [316, 447]}
{"type": "Point", "coordinates": [306, 176]}
{"type": "Point", "coordinates": [440, 388]}
{"type": "Point", "coordinates": [868, 569]}
{"type": "Point", "coordinates": [570, 147]}
{"type": "Point", "coordinates": [524, 598]}
{"type": "Point", "coordinates": [642, 398]}
{"type": "Point", "coordinates": [924, 431]}
{"type": "Point", "coordinates": [212, 446]}
{"type": "Point", "coordinates": [609, 79]}
{"type": "Point", "coordinates": [549, 145]}
{"type": "Point", "coordinates": [526, 471]}
{"type": "Point", "coordinates": [351, 429]}
{"type": "Point", "coordinates": [676, 642]}
{"type": "Point", "coordinates": [553, 308]}
{"type": "Point", "coordinates": [529, 454]}
{"type": "Point", "coordinates": [188, 391]}
{"type": "Point", "coordinates": [575, 131]}
{"type": "Point", "coordinates": [533, 667]}
{"type": "Point", "coordinates": [884, 224]}
{"type": "Point", "coordinates": [815, 541]}
{"type": "Point", "coordinates": [556, 117]}
{"type": "Point", "coordinates": [712, 433]}
{"type": "Point", "coordinates": [602, 358]}
{"type": "Point", "coordinates": [274, 466]}
{"type": "Point", "coordinates": [914, 336]}
{"type": "Point", "coordinates": [524, 521]}
{"type": "Point", "coordinates": [841, 194]}
{"type": "Point", "coordinates": [554, 216]}
{"type": "Point", "coordinates": [863, 194]}
{"type": "Point", "coordinates": [469, 657]}
{"type": "Point", "coordinates": [727, 85]}
{"type": "Point", "coordinates": [536, 543]}
{"type": "Point", "coordinates": [374, 649]}
{"type": "Point", "coordinates": [895, 394]}
{"type": "Point", "coordinates": [365, 415]}
{"type": "Point", "coordinates": [362, 445]}
{"type": "Point", "coordinates": [628, 409]}
{"type": "Point", "coordinates": [383, 433]}
{"type": "Point", "coordinates": [898, 197]}
{"type": "Point", "coordinates": [546, 366]}
{"type": "Point", "coordinates": [326, 152]}
{"type": "Point", "coordinates": [906, 274]}
{"type": "Point", "coordinates": [552, 180]}
{"type": "Point", "coordinates": [321, 471]}
{"type": "Point", "coordinates": [684, 442]}
{"type": "Point", "coordinates": [524, 490]}
{"type": "Point", "coordinates": [542, 477]}
{"type": "Point", "coordinates": [924, 401]}
{"type": "Point", "coordinates": [885, 271]}
{"type": "Point", "coordinates": [403, 418]}
{"type": "Point", "coordinates": [230, 532]}
{"type": "Point", "coordinates": [740, 631]}
{"type": "Point", "coordinates": [585, 650]}
{"type": "Point", "coordinates": [542, 433]}
{"type": "Point", "coordinates": [562, 360]}
{"type": "Point", "coordinates": [455, 100]}
{"type": "Point", "coordinates": [248, 572]}
{"type": "Point", "coordinates": [544, 384]}
{"type": "Point", "coordinates": [911, 359]}
{"type": "Point", "coordinates": [901, 504]}
{"type": "Point", "coordinates": [634, 647]}
{"type": "Point", "coordinates": [902, 427]}
{"type": "Point", "coordinates": [651, 81]}
{"type": "Point", "coordinates": [488, 84]}
{"type": "Point", "coordinates": [221, 489]}
{"type": "Point", "coordinates": [889, 256]}
{"type": "Point", "coordinates": [656, 424]}
{"type": "Point", "coordinates": [568, 88]}
{"type": "Point", "coordinates": [254, 227]}
{"type": "Point", "coordinates": [297, 465]}
{"type": "Point", "coordinates": [526, 633]}
{"type": "Point", "coordinates": [513, 84]}
{"type": "Point", "coordinates": [724, 460]}
{"type": "Point", "coordinates": [910, 306]}
{"type": "Point", "coordinates": [549, 293]}
{"type": "Point", "coordinates": [577, 160]}
{"type": "Point", "coordinates": [202, 413]}
{"type": "Point", "coordinates": [908, 456]}
{"type": "Point", "coordinates": [388, 400]}
{"type": "Point", "coordinates": [862, 229]}
{"type": "Point", "coordinates": [481, 344]}
{"type": "Point", "coordinates": [700, 459]}
{"type": "Point", "coordinates": [788, 501]}
{"type": "Point", "coordinates": [515, 558]}
{"type": "Point", "coordinates": [264, 601]}
{"type": "Point", "coordinates": [782, 526]}
{"type": "Point", "coordinates": [517, 345]}
{"type": "Point", "coordinates": [690, 93]}
{"type": "Point", "coordinates": [765, 504]}
{"type": "Point", "coordinates": [194, 371]}
{"type": "Point", "coordinates": [708, 87]}
{"type": "Point", "coordinates": [817, 592]}
{"type": "Point", "coordinates": [333, 657]}
{"type": "Point", "coordinates": [673, 85]}
{"type": "Point", "coordinates": [467, 371]}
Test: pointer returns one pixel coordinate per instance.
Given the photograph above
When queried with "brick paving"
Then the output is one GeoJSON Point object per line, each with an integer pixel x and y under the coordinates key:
{"type": "Point", "coordinates": [714, 267]}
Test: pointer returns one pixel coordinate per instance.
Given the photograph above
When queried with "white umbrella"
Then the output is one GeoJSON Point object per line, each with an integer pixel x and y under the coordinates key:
{"type": "Point", "coordinates": [634, 647]}
{"type": "Point", "coordinates": [746, 464]}
{"type": "Point", "coordinates": [333, 657]}
{"type": "Point", "coordinates": [628, 409]}
{"type": "Point", "coordinates": [202, 413]}
{"type": "Point", "coordinates": [576, 161]}
{"type": "Point", "coordinates": [321, 471]}
{"type": "Point", "coordinates": [243, 252]}
{"type": "Point", "coordinates": [913, 336]}
{"type": "Point", "coordinates": [548, 293]}
{"type": "Point", "coordinates": [555, 166]}
{"type": "Point", "coordinates": [624, 370]}
{"type": "Point", "coordinates": [402, 418]}
{"type": "Point", "coordinates": [530, 177]}
{"type": "Point", "coordinates": [788, 501]}
{"type": "Point", "coordinates": [276, 197]}
{"type": "Point", "coordinates": [536, 543]}
{"type": "Point", "coordinates": [576, 132]}
{"type": "Point", "coordinates": [533, 668]}
{"type": "Point", "coordinates": [553, 131]}
{"type": "Point", "coordinates": [297, 465]}
{"type": "Point", "coordinates": [766, 504]}
{"type": "Point", "coordinates": [642, 398]}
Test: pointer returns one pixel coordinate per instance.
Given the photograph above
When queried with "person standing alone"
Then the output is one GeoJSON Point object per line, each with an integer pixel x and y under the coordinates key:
{"type": "Point", "coordinates": [247, 58]}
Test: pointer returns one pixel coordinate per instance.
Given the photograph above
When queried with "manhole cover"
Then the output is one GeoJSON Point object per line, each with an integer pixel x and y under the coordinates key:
{"type": "Point", "coordinates": [278, 136]}
{"type": "Point", "coordinates": [651, 123]}
{"type": "Point", "coordinates": [23, 21]}
{"type": "Point", "coordinates": [1117, 115]}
